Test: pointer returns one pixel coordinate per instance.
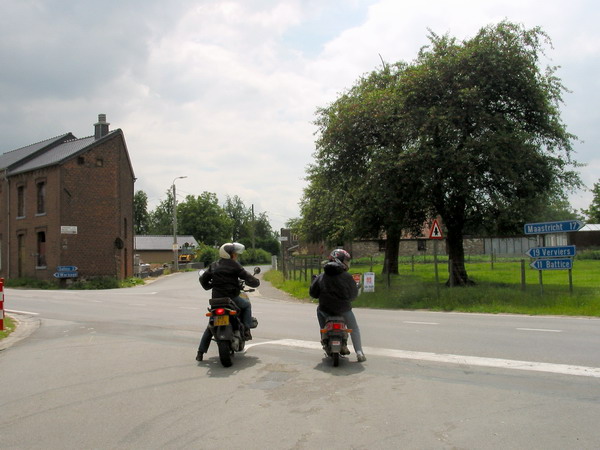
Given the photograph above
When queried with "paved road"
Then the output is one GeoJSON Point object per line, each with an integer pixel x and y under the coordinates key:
{"type": "Point", "coordinates": [115, 369]}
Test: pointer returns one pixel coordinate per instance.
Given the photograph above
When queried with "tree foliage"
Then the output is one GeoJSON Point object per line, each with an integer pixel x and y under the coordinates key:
{"type": "Point", "coordinates": [202, 217]}
{"type": "Point", "coordinates": [161, 218]}
{"type": "Point", "coordinates": [470, 131]}
{"type": "Point", "coordinates": [141, 217]}
{"type": "Point", "coordinates": [593, 212]}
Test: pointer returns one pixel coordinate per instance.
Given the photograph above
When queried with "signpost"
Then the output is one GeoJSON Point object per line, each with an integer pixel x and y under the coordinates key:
{"type": "Point", "coordinates": [553, 227]}
{"type": "Point", "coordinates": [552, 252]}
{"type": "Point", "coordinates": [552, 264]}
{"type": "Point", "coordinates": [553, 258]}
{"type": "Point", "coordinates": [369, 284]}
{"type": "Point", "coordinates": [66, 272]}
{"type": "Point", "coordinates": [436, 233]}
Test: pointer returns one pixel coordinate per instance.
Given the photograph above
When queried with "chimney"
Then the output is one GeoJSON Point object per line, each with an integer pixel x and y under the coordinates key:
{"type": "Point", "coordinates": [101, 128]}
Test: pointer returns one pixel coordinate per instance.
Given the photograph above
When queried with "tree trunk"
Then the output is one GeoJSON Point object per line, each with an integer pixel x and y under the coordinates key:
{"type": "Point", "coordinates": [457, 273]}
{"type": "Point", "coordinates": [392, 248]}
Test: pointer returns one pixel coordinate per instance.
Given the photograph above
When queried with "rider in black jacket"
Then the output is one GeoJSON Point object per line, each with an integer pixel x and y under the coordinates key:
{"type": "Point", "coordinates": [223, 277]}
{"type": "Point", "coordinates": [336, 289]}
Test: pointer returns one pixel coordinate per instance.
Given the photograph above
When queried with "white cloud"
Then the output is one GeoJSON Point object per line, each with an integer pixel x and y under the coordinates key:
{"type": "Point", "coordinates": [225, 91]}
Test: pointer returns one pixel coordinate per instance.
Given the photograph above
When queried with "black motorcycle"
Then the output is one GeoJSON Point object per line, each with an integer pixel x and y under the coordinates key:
{"type": "Point", "coordinates": [225, 324]}
{"type": "Point", "coordinates": [334, 338]}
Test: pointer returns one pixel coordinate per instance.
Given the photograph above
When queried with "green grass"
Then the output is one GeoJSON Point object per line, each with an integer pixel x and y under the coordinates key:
{"type": "Point", "coordinates": [497, 289]}
{"type": "Point", "coordinates": [9, 327]}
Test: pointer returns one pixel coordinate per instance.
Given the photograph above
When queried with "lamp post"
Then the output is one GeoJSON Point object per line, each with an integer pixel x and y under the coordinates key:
{"type": "Point", "coordinates": [175, 246]}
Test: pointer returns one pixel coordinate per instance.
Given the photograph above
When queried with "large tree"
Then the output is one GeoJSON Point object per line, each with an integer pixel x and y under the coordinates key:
{"type": "Point", "coordinates": [202, 217]}
{"type": "Point", "coordinates": [361, 184]}
{"type": "Point", "coordinates": [470, 131]}
{"type": "Point", "coordinates": [486, 127]}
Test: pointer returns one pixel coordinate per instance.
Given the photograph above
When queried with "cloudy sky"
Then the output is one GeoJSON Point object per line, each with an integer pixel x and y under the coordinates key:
{"type": "Point", "coordinates": [225, 92]}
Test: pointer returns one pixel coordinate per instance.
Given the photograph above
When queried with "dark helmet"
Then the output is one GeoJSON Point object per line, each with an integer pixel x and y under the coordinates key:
{"type": "Point", "coordinates": [342, 256]}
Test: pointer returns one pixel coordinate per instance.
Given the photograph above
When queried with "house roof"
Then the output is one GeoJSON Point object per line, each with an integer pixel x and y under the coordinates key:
{"type": "Point", "coordinates": [153, 242]}
{"type": "Point", "coordinates": [590, 227]}
{"type": "Point", "coordinates": [13, 157]}
{"type": "Point", "coordinates": [59, 153]}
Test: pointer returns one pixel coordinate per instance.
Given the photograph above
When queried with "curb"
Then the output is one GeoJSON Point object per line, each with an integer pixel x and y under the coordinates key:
{"type": "Point", "coordinates": [25, 326]}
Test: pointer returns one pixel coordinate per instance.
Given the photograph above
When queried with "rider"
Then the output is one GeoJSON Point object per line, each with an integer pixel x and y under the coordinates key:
{"type": "Point", "coordinates": [336, 289]}
{"type": "Point", "coordinates": [223, 277]}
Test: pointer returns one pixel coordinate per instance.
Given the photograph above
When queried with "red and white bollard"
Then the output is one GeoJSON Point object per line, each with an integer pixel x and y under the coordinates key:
{"type": "Point", "coordinates": [1, 304]}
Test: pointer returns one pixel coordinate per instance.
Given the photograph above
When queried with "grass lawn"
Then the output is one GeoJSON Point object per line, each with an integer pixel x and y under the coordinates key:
{"type": "Point", "coordinates": [498, 289]}
{"type": "Point", "coordinates": [9, 327]}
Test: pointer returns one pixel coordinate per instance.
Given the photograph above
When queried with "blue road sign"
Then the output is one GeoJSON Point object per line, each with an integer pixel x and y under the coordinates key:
{"type": "Point", "coordinates": [66, 274]}
{"type": "Point", "coordinates": [66, 268]}
{"type": "Point", "coordinates": [551, 252]}
{"type": "Point", "coordinates": [552, 264]}
{"type": "Point", "coordinates": [553, 227]}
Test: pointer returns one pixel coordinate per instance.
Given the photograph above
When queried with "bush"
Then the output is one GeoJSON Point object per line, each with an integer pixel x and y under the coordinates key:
{"type": "Point", "coordinates": [96, 283]}
{"type": "Point", "coordinates": [206, 254]}
{"type": "Point", "coordinates": [589, 254]}
{"type": "Point", "coordinates": [255, 256]}
{"type": "Point", "coordinates": [31, 283]}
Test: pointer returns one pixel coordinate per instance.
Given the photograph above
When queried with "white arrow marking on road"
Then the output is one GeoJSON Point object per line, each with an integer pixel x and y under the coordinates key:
{"type": "Point", "coordinates": [422, 323]}
{"type": "Point", "coordinates": [14, 311]}
{"type": "Point", "coordinates": [540, 329]}
{"type": "Point", "coordinates": [564, 369]}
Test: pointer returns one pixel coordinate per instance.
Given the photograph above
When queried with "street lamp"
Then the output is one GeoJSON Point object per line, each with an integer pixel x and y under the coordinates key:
{"type": "Point", "coordinates": [175, 246]}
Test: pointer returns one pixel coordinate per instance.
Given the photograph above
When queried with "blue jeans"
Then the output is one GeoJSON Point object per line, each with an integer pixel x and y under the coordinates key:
{"type": "Point", "coordinates": [246, 308]}
{"type": "Point", "coordinates": [350, 322]}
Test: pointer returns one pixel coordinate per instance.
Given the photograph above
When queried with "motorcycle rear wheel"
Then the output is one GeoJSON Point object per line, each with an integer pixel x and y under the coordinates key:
{"type": "Point", "coordinates": [225, 353]}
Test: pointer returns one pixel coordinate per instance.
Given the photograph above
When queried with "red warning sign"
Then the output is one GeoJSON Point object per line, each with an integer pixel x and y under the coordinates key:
{"type": "Point", "coordinates": [435, 232]}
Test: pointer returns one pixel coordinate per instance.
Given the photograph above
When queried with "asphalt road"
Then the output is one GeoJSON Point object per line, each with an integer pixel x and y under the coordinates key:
{"type": "Point", "coordinates": [116, 370]}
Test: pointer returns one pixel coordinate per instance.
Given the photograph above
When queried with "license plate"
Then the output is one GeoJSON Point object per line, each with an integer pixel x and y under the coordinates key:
{"type": "Point", "coordinates": [336, 343]}
{"type": "Point", "coordinates": [221, 321]}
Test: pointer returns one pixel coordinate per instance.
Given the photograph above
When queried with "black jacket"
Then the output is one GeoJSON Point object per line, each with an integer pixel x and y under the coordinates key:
{"type": "Point", "coordinates": [335, 289]}
{"type": "Point", "coordinates": [223, 277]}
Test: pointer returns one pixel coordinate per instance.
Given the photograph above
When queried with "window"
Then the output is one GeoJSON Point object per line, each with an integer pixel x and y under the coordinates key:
{"type": "Point", "coordinates": [41, 197]}
{"type": "Point", "coordinates": [21, 201]}
{"type": "Point", "coordinates": [421, 245]}
{"type": "Point", "coordinates": [41, 249]}
{"type": "Point", "coordinates": [80, 160]}
{"type": "Point", "coordinates": [99, 162]}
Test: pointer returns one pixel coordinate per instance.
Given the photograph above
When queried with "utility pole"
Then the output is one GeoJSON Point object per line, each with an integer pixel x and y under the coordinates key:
{"type": "Point", "coordinates": [175, 246]}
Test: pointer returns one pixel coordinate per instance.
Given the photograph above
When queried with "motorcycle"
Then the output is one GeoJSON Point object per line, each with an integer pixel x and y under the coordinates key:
{"type": "Point", "coordinates": [334, 338]}
{"type": "Point", "coordinates": [225, 324]}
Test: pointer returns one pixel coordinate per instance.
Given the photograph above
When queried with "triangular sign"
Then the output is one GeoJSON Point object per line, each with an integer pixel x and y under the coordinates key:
{"type": "Point", "coordinates": [435, 231]}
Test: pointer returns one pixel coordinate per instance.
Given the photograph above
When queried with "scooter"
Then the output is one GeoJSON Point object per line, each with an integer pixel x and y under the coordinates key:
{"type": "Point", "coordinates": [334, 338]}
{"type": "Point", "coordinates": [225, 324]}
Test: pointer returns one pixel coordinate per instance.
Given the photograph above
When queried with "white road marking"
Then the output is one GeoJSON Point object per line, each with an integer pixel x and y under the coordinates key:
{"type": "Point", "coordinates": [14, 311]}
{"type": "Point", "coordinates": [564, 369]}
{"type": "Point", "coordinates": [421, 323]}
{"type": "Point", "coordinates": [540, 329]}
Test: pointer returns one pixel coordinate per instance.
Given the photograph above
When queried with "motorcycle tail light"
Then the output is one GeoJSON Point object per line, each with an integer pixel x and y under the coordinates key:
{"type": "Point", "coordinates": [337, 326]}
{"type": "Point", "coordinates": [220, 311]}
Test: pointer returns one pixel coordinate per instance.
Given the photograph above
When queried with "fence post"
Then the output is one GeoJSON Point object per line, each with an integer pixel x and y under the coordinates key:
{"type": "Point", "coordinates": [522, 274]}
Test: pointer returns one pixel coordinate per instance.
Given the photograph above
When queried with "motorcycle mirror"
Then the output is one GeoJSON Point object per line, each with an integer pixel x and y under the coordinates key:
{"type": "Point", "coordinates": [256, 270]}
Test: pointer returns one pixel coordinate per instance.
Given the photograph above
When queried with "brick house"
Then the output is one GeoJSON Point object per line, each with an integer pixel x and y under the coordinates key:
{"type": "Point", "coordinates": [68, 202]}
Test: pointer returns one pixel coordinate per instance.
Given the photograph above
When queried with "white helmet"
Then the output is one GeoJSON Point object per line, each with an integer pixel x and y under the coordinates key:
{"type": "Point", "coordinates": [228, 249]}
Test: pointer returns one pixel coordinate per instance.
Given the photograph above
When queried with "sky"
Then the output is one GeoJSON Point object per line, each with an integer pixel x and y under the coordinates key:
{"type": "Point", "coordinates": [225, 92]}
